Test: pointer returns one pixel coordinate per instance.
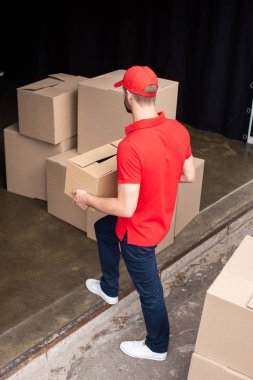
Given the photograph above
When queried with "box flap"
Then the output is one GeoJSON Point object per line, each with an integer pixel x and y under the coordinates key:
{"type": "Point", "coordinates": [72, 82]}
{"type": "Point", "coordinates": [78, 79]}
{"type": "Point", "coordinates": [44, 83]}
{"type": "Point", "coordinates": [98, 170]}
{"type": "Point", "coordinates": [111, 163]}
{"type": "Point", "coordinates": [116, 142]}
{"type": "Point", "coordinates": [85, 159]}
{"type": "Point", "coordinates": [250, 303]}
{"type": "Point", "coordinates": [68, 86]}
{"type": "Point", "coordinates": [62, 77]}
{"type": "Point", "coordinates": [62, 158]}
{"type": "Point", "coordinates": [51, 92]}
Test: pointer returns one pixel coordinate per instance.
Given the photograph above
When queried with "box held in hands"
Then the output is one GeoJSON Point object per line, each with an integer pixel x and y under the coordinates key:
{"type": "Point", "coordinates": [94, 171]}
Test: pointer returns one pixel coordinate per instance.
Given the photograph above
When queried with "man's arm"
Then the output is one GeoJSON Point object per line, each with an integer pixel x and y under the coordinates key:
{"type": "Point", "coordinates": [124, 205]}
{"type": "Point", "coordinates": [188, 174]}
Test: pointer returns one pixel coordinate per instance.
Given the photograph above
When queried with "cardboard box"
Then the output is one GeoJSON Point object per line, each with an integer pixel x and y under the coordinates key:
{"type": "Point", "coordinates": [47, 109]}
{"type": "Point", "coordinates": [94, 171]}
{"type": "Point", "coordinates": [188, 198]}
{"type": "Point", "coordinates": [94, 215]}
{"type": "Point", "coordinates": [58, 204]}
{"type": "Point", "coordinates": [241, 262]}
{"type": "Point", "coordinates": [169, 238]}
{"type": "Point", "coordinates": [101, 112]}
{"type": "Point", "coordinates": [226, 329]}
{"type": "Point", "coordinates": [25, 160]}
{"type": "Point", "coordinates": [202, 368]}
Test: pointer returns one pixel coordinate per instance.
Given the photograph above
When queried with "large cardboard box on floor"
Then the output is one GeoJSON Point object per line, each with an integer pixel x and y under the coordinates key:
{"type": "Point", "coordinates": [25, 160]}
{"type": "Point", "coordinates": [94, 215]}
{"type": "Point", "coordinates": [101, 113]}
{"type": "Point", "coordinates": [94, 171]}
{"type": "Point", "coordinates": [188, 198]}
{"type": "Point", "coordinates": [226, 329]}
{"type": "Point", "coordinates": [47, 109]}
{"type": "Point", "coordinates": [58, 204]}
{"type": "Point", "coordinates": [202, 368]}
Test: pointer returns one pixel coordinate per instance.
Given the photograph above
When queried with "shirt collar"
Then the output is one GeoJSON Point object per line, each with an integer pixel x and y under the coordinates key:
{"type": "Point", "coordinates": [146, 123]}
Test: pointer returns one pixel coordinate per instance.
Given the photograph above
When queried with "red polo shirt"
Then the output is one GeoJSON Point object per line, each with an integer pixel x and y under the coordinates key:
{"type": "Point", "coordinates": [152, 154]}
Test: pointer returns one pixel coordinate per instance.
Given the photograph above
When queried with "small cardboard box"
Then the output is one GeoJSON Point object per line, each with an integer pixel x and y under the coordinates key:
{"type": "Point", "coordinates": [47, 109]}
{"type": "Point", "coordinates": [25, 160]}
{"type": "Point", "coordinates": [101, 113]}
{"type": "Point", "coordinates": [203, 368]}
{"type": "Point", "coordinates": [94, 171]}
{"type": "Point", "coordinates": [58, 204]}
{"type": "Point", "coordinates": [226, 329]}
{"type": "Point", "coordinates": [188, 198]}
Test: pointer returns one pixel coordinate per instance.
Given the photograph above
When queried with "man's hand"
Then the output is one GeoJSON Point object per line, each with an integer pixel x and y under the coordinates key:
{"type": "Point", "coordinates": [188, 174]}
{"type": "Point", "coordinates": [80, 198]}
{"type": "Point", "coordinates": [124, 205]}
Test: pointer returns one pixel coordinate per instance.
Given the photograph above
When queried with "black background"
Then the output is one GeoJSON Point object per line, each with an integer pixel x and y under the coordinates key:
{"type": "Point", "coordinates": [205, 45]}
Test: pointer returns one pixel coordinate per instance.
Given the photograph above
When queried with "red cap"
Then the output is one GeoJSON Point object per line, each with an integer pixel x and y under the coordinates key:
{"type": "Point", "coordinates": [137, 78]}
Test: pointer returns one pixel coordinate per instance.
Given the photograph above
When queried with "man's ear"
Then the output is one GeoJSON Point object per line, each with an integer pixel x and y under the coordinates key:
{"type": "Point", "coordinates": [129, 96]}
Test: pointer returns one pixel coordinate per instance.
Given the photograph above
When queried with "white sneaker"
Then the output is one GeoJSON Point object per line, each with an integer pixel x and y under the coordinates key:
{"type": "Point", "coordinates": [94, 287]}
{"type": "Point", "coordinates": [138, 349]}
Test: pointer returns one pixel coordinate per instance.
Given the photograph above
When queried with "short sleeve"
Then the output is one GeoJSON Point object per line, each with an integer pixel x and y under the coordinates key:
{"type": "Point", "coordinates": [128, 164]}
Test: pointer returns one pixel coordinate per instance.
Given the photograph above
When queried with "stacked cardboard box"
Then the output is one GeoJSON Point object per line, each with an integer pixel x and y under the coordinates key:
{"type": "Point", "coordinates": [101, 121]}
{"type": "Point", "coordinates": [85, 171]}
{"type": "Point", "coordinates": [224, 345]}
{"type": "Point", "coordinates": [47, 109]}
{"type": "Point", "coordinates": [67, 137]}
{"type": "Point", "coordinates": [188, 198]}
{"type": "Point", "coordinates": [58, 204]}
{"type": "Point", "coordinates": [204, 368]}
{"type": "Point", "coordinates": [47, 125]}
{"type": "Point", "coordinates": [25, 159]}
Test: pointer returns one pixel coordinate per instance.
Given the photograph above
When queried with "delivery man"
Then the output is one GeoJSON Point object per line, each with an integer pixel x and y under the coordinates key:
{"type": "Point", "coordinates": [152, 159]}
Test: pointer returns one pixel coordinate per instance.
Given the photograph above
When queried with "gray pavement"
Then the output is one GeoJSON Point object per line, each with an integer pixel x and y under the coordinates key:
{"type": "Point", "coordinates": [184, 294]}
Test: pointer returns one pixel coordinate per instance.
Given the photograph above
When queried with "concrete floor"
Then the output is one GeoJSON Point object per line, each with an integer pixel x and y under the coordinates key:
{"type": "Point", "coordinates": [185, 293]}
{"type": "Point", "coordinates": [83, 354]}
{"type": "Point", "coordinates": [44, 261]}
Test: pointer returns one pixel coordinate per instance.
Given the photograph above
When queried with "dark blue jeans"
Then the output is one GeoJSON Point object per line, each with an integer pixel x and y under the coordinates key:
{"type": "Point", "coordinates": [142, 267]}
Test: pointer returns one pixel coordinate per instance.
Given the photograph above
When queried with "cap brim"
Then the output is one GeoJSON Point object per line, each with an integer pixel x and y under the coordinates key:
{"type": "Point", "coordinates": [118, 84]}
